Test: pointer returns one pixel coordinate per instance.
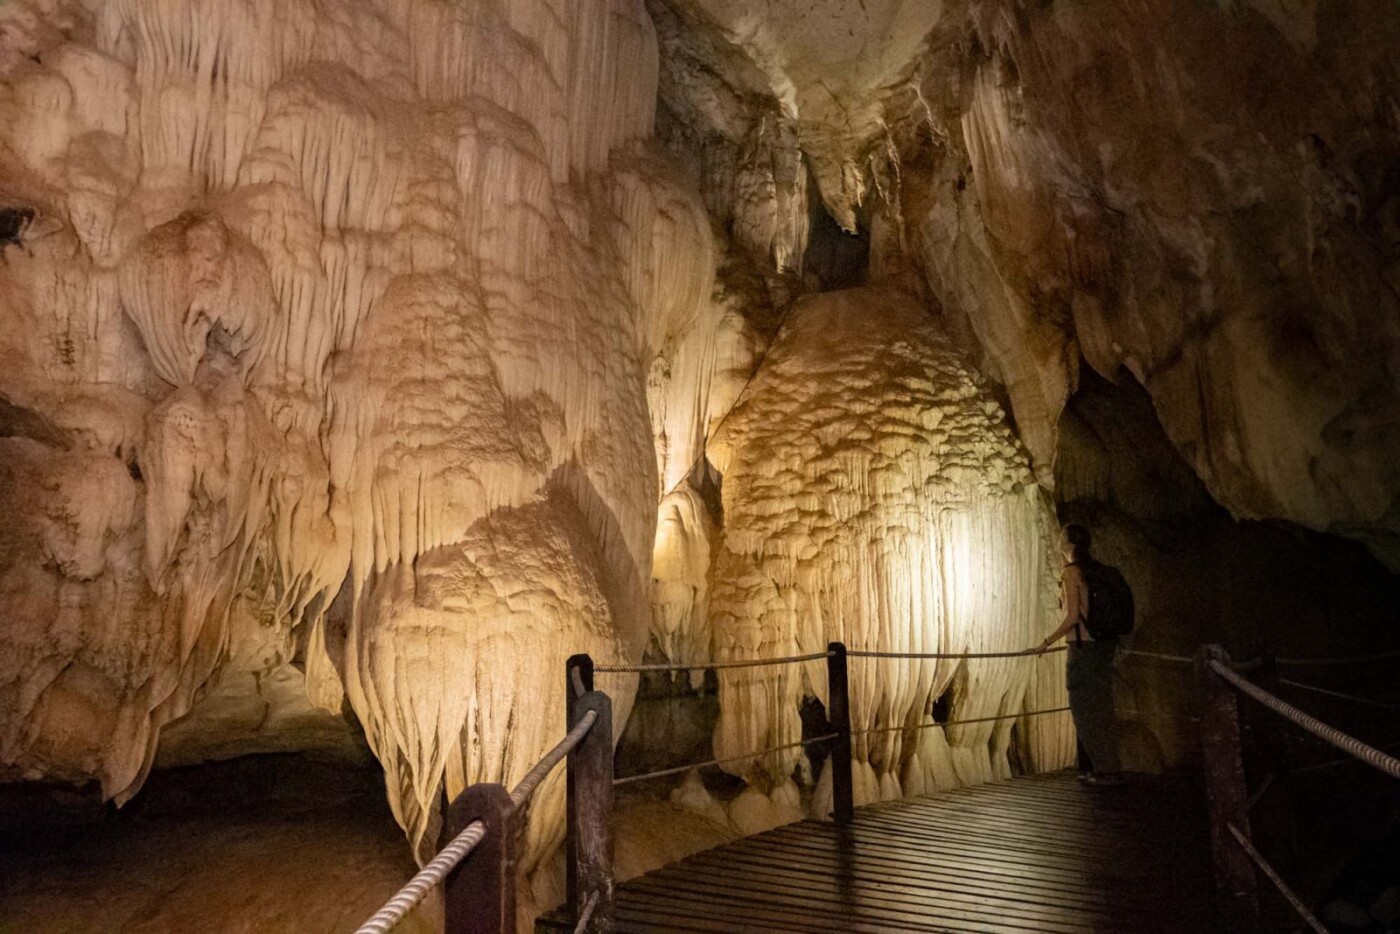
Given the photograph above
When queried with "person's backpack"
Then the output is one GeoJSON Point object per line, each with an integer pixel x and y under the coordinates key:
{"type": "Point", "coordinates": [1110, 601]}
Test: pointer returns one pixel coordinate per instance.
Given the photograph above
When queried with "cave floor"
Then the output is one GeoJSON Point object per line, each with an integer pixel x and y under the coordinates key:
{"type": "Point", "coordinates": [1038, 853]}
{"type": "Point", "coordinates": [266, 844]}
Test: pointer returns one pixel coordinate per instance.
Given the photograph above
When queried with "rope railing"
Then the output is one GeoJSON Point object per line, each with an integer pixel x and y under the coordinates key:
{"type": "Point", "coordinates": [948, 723]}
{"type": "Point", "coordinates": [1272, 874]}
{"type": "Point", "coordinates": [1338, 695]}
{"type": "Point", "coordinates": [1159, 656]}
{"type": "Point", "coordinates": [812, 657]}
{"type": "Point", "coordinates": [695, 666]}
{"type": "Point", "coordinates": [1342, 660]}
{"type": "Point", "coordinates": [488, 811]}
{"type": "Point", "coordinates": [661, 773]}
{"type": "Point", "coordinates": [1330, 734]}
{"type": "Point", "coordinates": [1235, 857]}
{"type": "Point", "coordinates": [587, 914]}
{"type": "Point", "coordinates": [522, 792]}
{"type": "Point", "coordinates": [1022, 653]}
{"type": "Point", "coordinates": [427, 879]}
{"type": "Point", "coordinates": [449, 857]}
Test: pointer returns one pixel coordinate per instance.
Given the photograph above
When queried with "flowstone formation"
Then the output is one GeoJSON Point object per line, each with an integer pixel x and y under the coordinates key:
{"type": "Point", "coordinates": [874, 495]}
{"type": "Point", "coordinates": [391, 351]}
{"type": "Point", "coordinates": [335, 336]}
{"type": "Point", "coordinates": [1200, 192]}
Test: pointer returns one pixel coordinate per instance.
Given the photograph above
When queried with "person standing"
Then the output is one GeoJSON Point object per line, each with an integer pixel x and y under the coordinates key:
{"type": "Point", "coordinates": [1089, 671]}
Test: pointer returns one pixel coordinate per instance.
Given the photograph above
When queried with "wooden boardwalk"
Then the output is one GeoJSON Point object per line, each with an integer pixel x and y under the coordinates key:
{"type": "Point", "coordinates": [1039, 853]}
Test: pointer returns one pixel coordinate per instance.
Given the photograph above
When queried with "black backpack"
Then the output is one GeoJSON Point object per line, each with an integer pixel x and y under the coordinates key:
{"type": "Point", "coordinates": [1110, 601]}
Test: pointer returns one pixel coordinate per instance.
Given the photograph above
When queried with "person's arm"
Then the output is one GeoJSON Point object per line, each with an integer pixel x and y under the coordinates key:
{"type": "Point", "coordinates": [1073, 587]}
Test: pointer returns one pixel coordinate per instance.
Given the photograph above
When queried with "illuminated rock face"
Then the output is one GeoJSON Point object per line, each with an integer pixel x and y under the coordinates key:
{"type": "Point", "coordinates": [1200, 192]}
{"type": "Point", "coordinates": [874, 495]}
{"type": "Point", "coordinates": [356, 335]}
{"type": "Point", "coordinates": [377, 343]}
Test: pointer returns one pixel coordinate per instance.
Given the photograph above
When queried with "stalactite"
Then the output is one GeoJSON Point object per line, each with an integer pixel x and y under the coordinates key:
{"type": "Point", "coordinates": [378, 290]}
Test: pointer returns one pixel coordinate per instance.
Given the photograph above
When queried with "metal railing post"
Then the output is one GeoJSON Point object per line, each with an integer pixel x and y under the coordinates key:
{"type": "Point", "coordinates": [1227, 796]}
{"type": "Point", "coordinates": [589, 854]}
{"type": "Point", "coordinates": [578, 680]}
{"type": "Point", "coordinates": [838, 713]}
{"type": "Point", "coordinates": [479, 895]}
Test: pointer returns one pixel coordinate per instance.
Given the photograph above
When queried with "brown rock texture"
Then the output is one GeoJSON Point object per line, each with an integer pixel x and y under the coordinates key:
{"type": "Point", "coordinates": [1203, 193]}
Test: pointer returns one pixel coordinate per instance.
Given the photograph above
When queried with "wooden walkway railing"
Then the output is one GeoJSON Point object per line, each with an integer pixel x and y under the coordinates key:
{"type": "Point", "coordinates": [482, 822]}
{"type": "Point", "coordinates": [1233, 853]}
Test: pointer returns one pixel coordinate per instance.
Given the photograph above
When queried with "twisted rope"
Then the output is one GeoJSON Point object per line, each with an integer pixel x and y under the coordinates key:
{"type": "Point", "coordinates": [700, 765]}
{"type": "Point", "coordinates": [862, 653]}
{"type": "Point", "coordinates": [1337, 694]}
{"type": "Point", "coordinates": [925, 726]}
{"type": "Point", "coordinates": [1343, 660]}
{"type": "Point", "coordinates": [427, 879]}
{"type": "Point", "coordinates": [855, 653]}
{"type": "Point", "coordinates": [755, 663]}
{"type": "Point", "coordinates": [1276, 879]}
{"type": "Point", "coordinates": [1348, 744]}
{"type": "Point", "coordinates": [431, 875]}
{"type": "Point", "coordinates": [1321, 765]}
{"type": "Point", "coordinates": [587, 914]}
{"type": "Point", "coordinates": [1160, 656]}
{"type": "Point", "coordinates": [522, 792]}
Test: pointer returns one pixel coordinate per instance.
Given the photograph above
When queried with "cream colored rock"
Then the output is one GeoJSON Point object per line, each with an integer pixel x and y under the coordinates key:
{"type": "Point", "coordinates": [384, 306]}
{"type": "Point", "coordinates": [874, 495]}
{"type": "Point", "coordinates": [378, 339]}
{"type": "Point", "coordinates": [829, 65]}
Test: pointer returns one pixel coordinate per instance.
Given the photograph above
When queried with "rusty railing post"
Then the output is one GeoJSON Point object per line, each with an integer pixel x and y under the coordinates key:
{"type": "Point", "coordinates": [1227, 796]}
{"type": "Point", "coordinates": [838, 713]}
{"type": "Point", "coordinates": [479, 895]}
{"type": "Point", "coordinates": [589, 854]}
{"type": "Point", "coordinates": [578, 680]}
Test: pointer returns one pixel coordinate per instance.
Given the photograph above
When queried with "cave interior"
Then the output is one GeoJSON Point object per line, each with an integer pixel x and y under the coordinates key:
{"type": "Point", "coordinates": [363, 360]}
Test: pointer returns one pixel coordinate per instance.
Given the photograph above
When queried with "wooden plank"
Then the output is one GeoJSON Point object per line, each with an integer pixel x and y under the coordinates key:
{"type": "Point", "coordinates": [974, 852]}
{"type": "Point", "coordinates": [632, 916]}
{"type": "Point", "coordinates": [842, 911]}
{"type": "Point", "coordinates": [927, 878]}
{"type": "Point", "coordinates": [871, 890]}
{"type": "Point", "coordinates": [1033, 854]}
{"type": "Point", "coordinates": [916, 880]}
{"type": "Point", "coordinates": [742, 914]}
{"type": "Point", "coordinates": [884, 851]}
{"type": "Point", "coordinates": [1071, 810]}
{"type": "Point", "coordinates": [1110, 836]}
{"type": "Point", "coordinates": [1087, 806]}
{"type": "Point", "coordinates": [1033, 837]}
{"type": "Point", "coordinates": [742, 910]}
{"type": "Point", "coordinates": [815, 861]}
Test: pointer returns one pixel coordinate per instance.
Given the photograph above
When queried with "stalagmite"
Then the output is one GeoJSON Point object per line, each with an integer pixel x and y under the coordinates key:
{"type": "Point", "coordinates": [875, 496]}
